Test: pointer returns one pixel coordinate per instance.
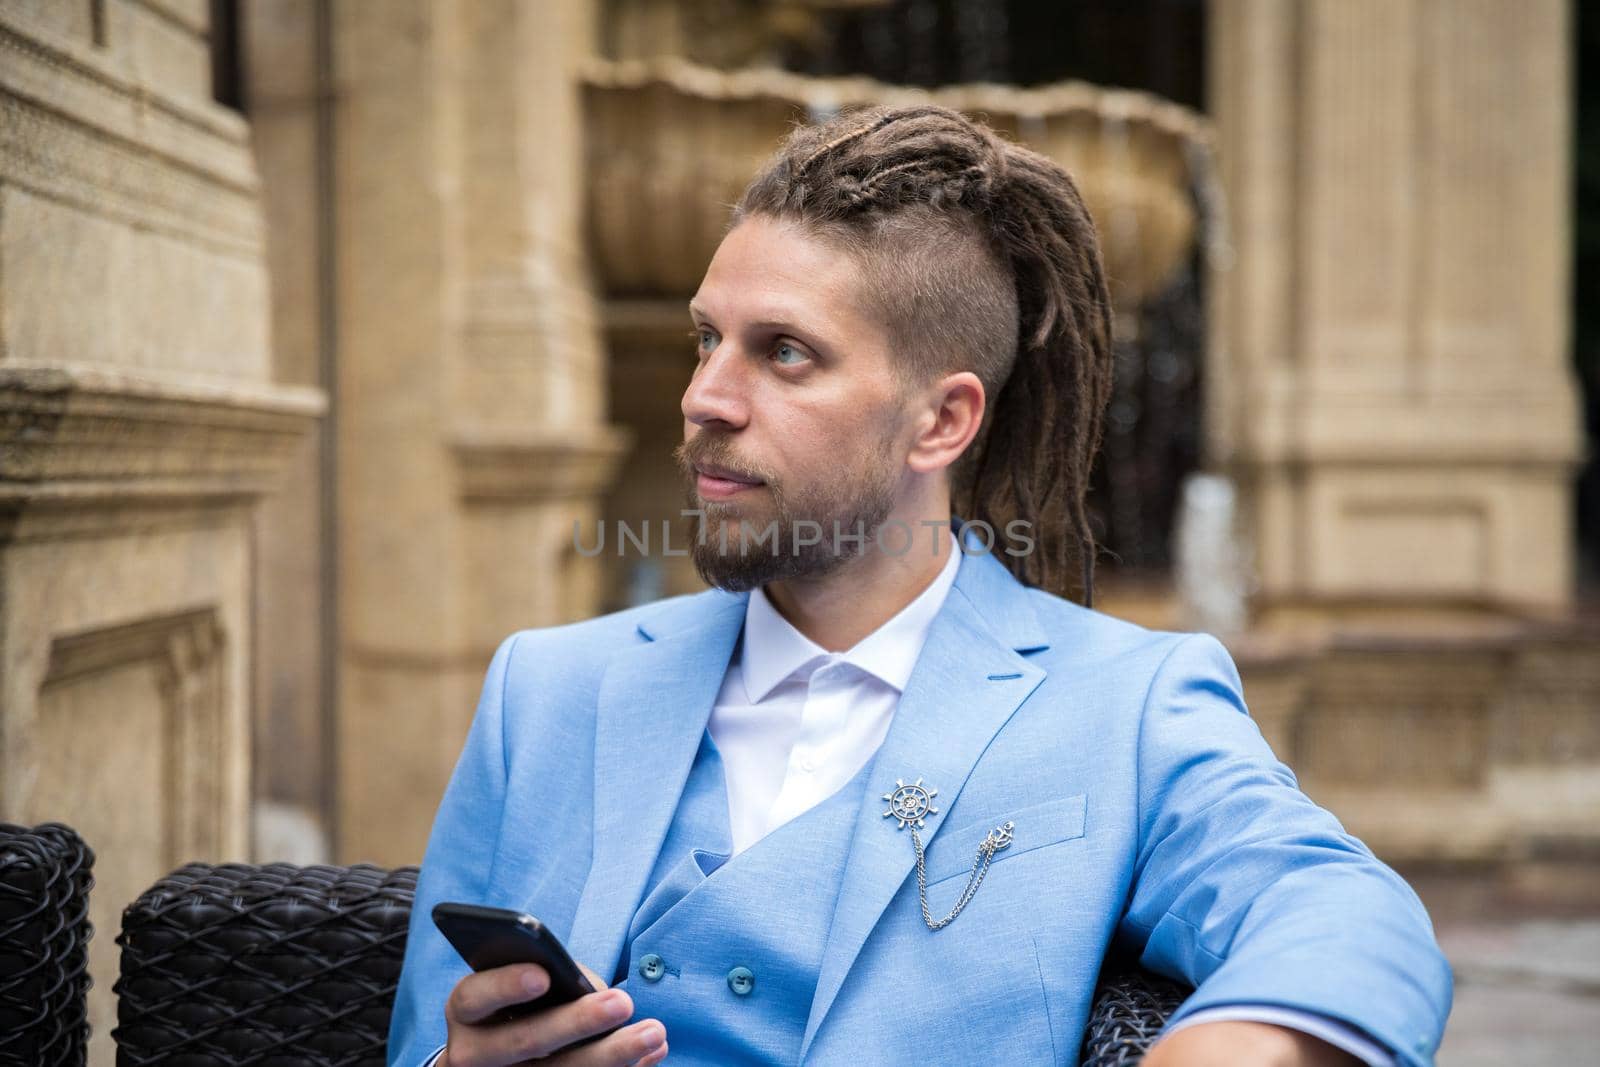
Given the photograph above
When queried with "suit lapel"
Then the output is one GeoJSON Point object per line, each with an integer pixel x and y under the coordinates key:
{"type": "Point", "coordinates": [968, 681]}
{"type": "Point", "coordinates": [654, 702]}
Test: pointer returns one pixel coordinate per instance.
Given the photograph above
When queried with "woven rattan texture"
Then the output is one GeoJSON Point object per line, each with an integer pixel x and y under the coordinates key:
{"type": "Point", "coordinates": [45, 877]}
{"type": "Point", "coordinates": [1130, 1008]}
{"type": "Point", "coordinates": [270, 966]}
{"type": "Point", "coordinates": [278, 965]}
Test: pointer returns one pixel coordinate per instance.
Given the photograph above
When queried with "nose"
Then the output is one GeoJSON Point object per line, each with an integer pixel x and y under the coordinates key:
{"type": "Point", "coordinates": [718, 393]}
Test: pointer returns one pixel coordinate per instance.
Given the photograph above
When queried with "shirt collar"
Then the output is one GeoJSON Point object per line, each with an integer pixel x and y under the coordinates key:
{"type": "Point", "coordinates": [772, 649]}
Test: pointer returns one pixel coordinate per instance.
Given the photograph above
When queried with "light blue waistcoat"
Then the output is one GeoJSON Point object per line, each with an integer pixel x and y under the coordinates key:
{"type": "Point", "coordinates": [766, 910]}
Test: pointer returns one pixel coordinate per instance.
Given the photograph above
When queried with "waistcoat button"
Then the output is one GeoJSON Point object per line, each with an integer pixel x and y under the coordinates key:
{"type": "Point", "coordinates": [652, 967]}
{"type": "Point", "coordinates": [741, 980]}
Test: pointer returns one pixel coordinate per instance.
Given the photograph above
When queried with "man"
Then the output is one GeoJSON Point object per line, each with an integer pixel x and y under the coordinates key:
{"type": "Point", "coordinates": [876, 798]}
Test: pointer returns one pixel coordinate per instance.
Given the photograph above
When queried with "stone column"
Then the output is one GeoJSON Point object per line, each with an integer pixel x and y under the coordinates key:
{"type": "Point", "coordinates": [1399, 413]}
{"type": "Point", "coordinates": [139, 428]}
{"type": "Point", "coordinates": [284, 51]}
{"type": "Point", "coordinates": [470, 431]}
{"type": "Point", "coordinates": [1390, 387]}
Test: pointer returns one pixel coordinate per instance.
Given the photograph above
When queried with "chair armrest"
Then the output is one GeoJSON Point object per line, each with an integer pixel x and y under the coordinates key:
{"type": "Point", "coordinates": [237, 964]}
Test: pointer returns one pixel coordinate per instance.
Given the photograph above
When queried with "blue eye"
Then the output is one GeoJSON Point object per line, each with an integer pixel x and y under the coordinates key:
{"type": "Point", "coordinates": [799, 355]}
{"type": "Point", "coordinates": [701, 337]}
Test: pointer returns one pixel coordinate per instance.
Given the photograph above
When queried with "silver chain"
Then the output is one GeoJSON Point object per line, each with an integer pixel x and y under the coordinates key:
{"type": "Point", "coordinates": [997, 839]}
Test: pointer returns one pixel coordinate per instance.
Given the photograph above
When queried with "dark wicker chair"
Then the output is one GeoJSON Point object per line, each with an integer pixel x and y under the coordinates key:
{"type": "Point", "coordinates": [45, 877]}
{"type": "Point", "coordinates": [277, 965]}
{"type": "Point", "coordinates": [271, 966]}
{"type": "Point", "coordinates": [1131, 1005]}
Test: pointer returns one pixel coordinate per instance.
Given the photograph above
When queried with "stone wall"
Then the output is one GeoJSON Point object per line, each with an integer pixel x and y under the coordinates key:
{"type": "Point", "coordinates": [141, 426]}
{"type": "Point", "coordinates": [299, 413]}
{"type": "Point", "coordinates": [1388, 369]}
{"type": "Point", "coordinates": [470, 430]}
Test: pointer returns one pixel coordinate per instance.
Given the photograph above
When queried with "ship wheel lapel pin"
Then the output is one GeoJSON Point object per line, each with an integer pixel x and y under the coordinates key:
{"type": "Point", "coordinates": [911, 805]}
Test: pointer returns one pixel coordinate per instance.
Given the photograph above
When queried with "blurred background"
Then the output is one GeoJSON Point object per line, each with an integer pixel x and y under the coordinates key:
{"type": "Point", "coordinates": [322, 322]}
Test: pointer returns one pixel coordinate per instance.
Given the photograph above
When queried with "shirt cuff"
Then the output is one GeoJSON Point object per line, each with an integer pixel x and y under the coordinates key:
{"type": "Point", "coordinates": [1339, 1034]}
{"type": "Point", "coordinates": [431, 1060]}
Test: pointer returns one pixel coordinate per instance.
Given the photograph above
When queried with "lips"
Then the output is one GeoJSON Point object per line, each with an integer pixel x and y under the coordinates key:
{"type": "Point", "coordinates": [718, 483]}
{"type": "Point", "coordinates": [723, 474]}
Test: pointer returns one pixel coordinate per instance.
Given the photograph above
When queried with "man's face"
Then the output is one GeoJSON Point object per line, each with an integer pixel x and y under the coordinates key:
{"type": "Point", "coordinates": [794, 415]}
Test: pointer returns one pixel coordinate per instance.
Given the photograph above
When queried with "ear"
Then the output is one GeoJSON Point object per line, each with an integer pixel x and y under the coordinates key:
{"type": "Point", "coordinates": [950, 418]}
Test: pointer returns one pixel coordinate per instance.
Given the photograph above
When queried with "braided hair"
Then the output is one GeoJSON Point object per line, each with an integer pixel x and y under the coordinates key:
{"type": "Point", "coordinates": [979, 255]}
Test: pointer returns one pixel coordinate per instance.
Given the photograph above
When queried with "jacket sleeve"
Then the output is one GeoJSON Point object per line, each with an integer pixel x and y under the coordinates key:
{"type": "Point", "coordinates": [1253, 894]}
{"type": "Point", "coordinates": [456, 866]}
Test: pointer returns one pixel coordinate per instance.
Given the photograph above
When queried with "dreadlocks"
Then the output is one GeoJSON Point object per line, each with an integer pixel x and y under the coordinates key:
{"type": "Point", "coordinates": [980, 255]}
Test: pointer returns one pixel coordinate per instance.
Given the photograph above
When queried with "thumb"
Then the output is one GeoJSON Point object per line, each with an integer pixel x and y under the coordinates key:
{"type": "Point", "coordinates": [594, 979]}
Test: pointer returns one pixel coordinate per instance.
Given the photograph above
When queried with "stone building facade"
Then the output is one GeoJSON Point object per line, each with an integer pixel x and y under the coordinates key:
{"type": "Point", "coordinates": [301, 405]}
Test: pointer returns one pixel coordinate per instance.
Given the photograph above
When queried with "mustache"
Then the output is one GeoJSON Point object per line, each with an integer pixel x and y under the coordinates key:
{"type": "Point", "coordinates": [705, 450]}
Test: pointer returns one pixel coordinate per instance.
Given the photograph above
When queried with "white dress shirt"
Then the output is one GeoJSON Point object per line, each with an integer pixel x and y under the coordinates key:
{"type": "Point", "coordinates": [795, 722]}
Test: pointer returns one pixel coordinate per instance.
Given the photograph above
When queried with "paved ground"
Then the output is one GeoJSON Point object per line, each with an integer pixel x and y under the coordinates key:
{"type": "Point", "coordinates": [1527, 993]}
{"type": "Point", "coordinates": [1527, 968]}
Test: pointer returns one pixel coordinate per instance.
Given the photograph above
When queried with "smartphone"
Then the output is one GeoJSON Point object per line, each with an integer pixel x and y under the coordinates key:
{"type": "Point", "coordinates": [496, 937]}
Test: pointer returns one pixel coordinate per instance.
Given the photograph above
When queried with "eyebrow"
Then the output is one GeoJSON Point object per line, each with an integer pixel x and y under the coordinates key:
{"type": "Point", "coordinates": [774, 324]}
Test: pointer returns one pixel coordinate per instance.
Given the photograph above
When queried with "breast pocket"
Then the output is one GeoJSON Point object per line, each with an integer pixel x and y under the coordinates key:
{"type": "Point", "coordinates": [1036, 826]}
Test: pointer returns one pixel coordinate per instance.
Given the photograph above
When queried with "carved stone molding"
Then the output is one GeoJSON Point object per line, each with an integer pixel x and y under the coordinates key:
{"type": "Point", "coordinates": [187, 651]}
{"type": "Point", "coordinates": [76, 437]}
{"type": "Point", "coordinates": [186, 14]}
{"type": "Point", "coordinates": [128, 727]}
{"type": "Point", "coordinates": [1433, 743]}
{"type": "Point", "coordinates": [1394, 714]}
{"type": "Point", "coordinates": [507, 470]}
{"type": "Point", "coordinates": [78, 126]}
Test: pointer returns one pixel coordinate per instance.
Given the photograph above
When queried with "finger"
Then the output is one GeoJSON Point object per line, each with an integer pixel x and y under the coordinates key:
{"type": "Point", "coordinates": [594, 979]}
{"type": "Point", "coordinates": [593, 1013]}
{"type": "Point", "coordinates": [643, 1042]}
{"type": "Point", "coordinates": [653, 1058]}
{"type": "Point", "coordinates": [480, 995]}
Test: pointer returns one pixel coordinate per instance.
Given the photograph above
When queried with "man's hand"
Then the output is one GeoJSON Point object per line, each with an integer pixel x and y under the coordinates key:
{"type": "Point", "coordinates": [1234, 1043]}
{"type": "Point", "coordinates": [476, 1041]}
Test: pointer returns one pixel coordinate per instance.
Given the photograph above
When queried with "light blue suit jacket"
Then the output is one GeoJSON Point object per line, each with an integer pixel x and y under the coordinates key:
{"type": "Point", "coordinates": [1148, 811]}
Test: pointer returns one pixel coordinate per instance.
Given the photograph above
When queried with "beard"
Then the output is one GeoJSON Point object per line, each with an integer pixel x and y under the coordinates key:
{"type": "Point", "coordinates": [752, 540]}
